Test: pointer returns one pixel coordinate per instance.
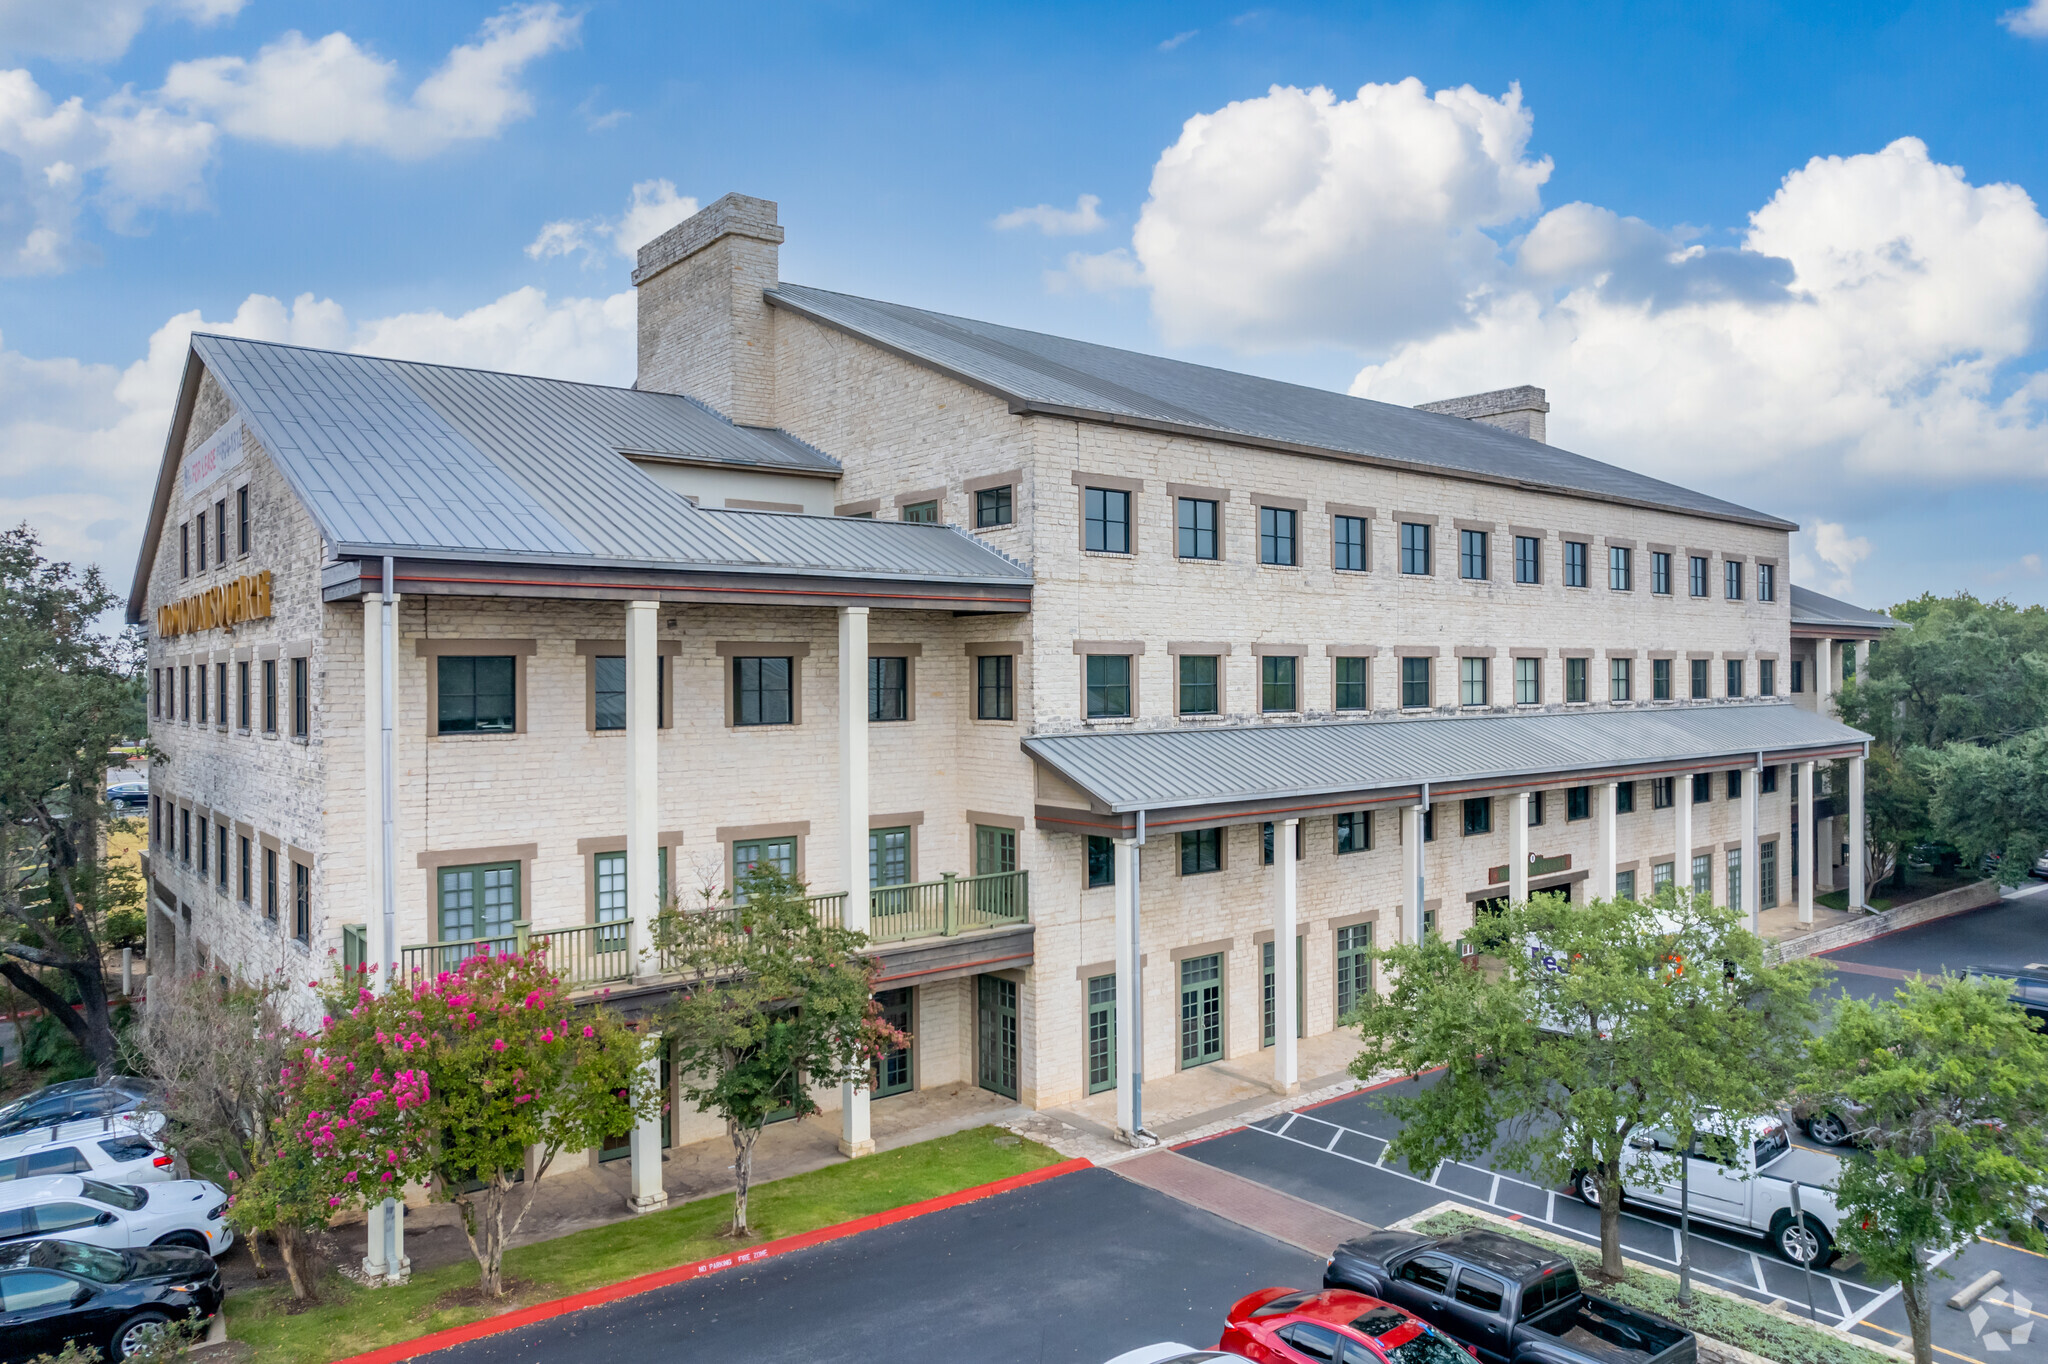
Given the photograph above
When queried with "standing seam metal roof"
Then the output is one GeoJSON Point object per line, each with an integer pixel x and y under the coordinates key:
{"type": "Point", "coordinates": [1811, 608]}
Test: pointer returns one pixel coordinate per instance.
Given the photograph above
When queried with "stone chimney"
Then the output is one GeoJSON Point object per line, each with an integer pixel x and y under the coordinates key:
{"type": "Point", "coordinates": [1519, 410]}
{"type": "Point", "coordinates": [705, 330]}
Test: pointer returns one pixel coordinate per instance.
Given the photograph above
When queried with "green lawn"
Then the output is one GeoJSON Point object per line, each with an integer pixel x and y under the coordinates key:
{"type": "Point", "coordinates": [351, 1319]}
{"type": "Point", "coordinates": [1839, 899]}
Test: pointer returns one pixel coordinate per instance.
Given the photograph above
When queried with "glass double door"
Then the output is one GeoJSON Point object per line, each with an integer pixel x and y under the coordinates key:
{"type": "Point", "coordinates": [996, 1034]}
{"type": "Point", "coordinates": [895, 1072]}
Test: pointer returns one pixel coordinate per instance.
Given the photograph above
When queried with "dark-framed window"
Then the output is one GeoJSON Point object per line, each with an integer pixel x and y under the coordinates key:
{"type": "Point", "coordinates": [1731, 579]}
{"type": "Point", "coordinates": [184, 691]}
{"type": "Point", "coordinates": [1277, 683]}
{"type": "Point", "coordinates": [1414, 547]}
{"type": "Point", "coordinates": [1766, 583]}
{"type": "Point", "coordinates": [242, 519]}
{"type": "Point", "coordinates": [475, 693]}
{"type": "Point", "coordinates": [220, 531]}
{"type": "Point", "coordinates": [992, 507]}
{"type": "Point", "coordinates": [1768, 782]}
{"type": "Point", "coordinates": [763, 691]}
{"type": "Point", "coordinates": [1528, 681]}
{"type": "Point", "coordinates": [199, 538]}
{"type": "Point", "coordinates": [888, 689]}
{"type": "Point", "coordinates": [220, 693]}
{"type": "Point", "coordinates": [302, 697]}
{"type": "Point", "coordinates": [1702, 787]}
{"type": "Point", "coordinates": [1354, 831]}
{"type": "Point", "coordinates": [156, 693]}
{"type": "Point", "coordinates": [1349, 536]}
{"type": "Point", "coordinates": [1108, 520]}
{"type": "Point", "coordinates": [1699, 679]}
{"type": "Point", "coordinates": [1621, 679]}
{"type": "Point", "coordinates": [1201, 851]}
{"type": "Point", "coordinates": [1578, 803]}
{"type": "Point", "coordinates": [184, 549]}
{"type": "Point", "coordinates": [205, 858]}
{"type": "Point", "coordinates": [1414, 683]}
{"type": "Point", "coordinates": [1535, 808]}
{"type": "Point", "coordinates": [1351, 674]}
{"type": "Point", "coordinates": [1735, 783]}
{"type": "Point", "coordinates": [1472, 682]}
{"type": "Point", "coordinates": [1574, 563]}
{"type": "Point", "coordinates": [1798, 676]}
{"type": "Point", "coordinates": [1101, 861]}
{"type": "Point", "coordinates": [1624, 798]}
{"type": "Point", "coordinates": [1198, 694]}
{"type": "Point", "coordinates": [302, 902]}
{"type": "Point", "coordinates": [1735, 677]}
{"type": "Point", "coordinates": [185, 837]}
{"type": "Point", "coordinates": [1660, 573]}
{"type": "Point", "coordinates": [1266, 843]}
{"type": "Point", "coordinates": [203, 690]}
{"type": "Point", "coordinates": [608, 679]}
{"type": "Point", "coordinates": [1472, 554]}
{"type": "Point", "coordinates": [1766, 677]}
{"type": "Point", "coordinates": [220, 860]}
{"type": "Point", "coordinates": [270, 884]}
{"type": "Point", "coordinates": [1697, 574]}
{"type": "Point", "coordinates": [1620, 569]}
{"type": "Point", "coordinates": [242, 695]}
{"type": "Point", "coordinates": [1109, 685]}
{"type": "Point", "coordinates": [1277, 527]}
{"type": "Point", "coordinates": [1660, 793]}
{"type": "Point", "coordinates": [1197, 528]}
{"type": "Point", "coordinates": [270, 696]}
{"type": "Point", "coordinates": [1429, 825]}
{"type": "Point", "coordinates": [995, 687]}
{"type": "Point", "coordinates": [1478, 815]}
{"type": "Point", "coordinates": [1574, 681]}
{"type": "Point", "coordinates": [920, 513]}
{"type": "Point", "coordinates": [244, 873]}
{"type": "Point", "coordinates": [1528, 559]}
{"type": "Point", "coordinates": [1660, 679]}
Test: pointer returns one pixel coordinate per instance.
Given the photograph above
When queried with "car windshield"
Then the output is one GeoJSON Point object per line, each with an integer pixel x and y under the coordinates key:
{"type": "Point", "coordinates": [1428, 1348]}
{"type": "Point", "coordinates": [88, 1262]}
{"type": "Point", "coordinates": [128, 1197]}
{"type": "Point", "coordinates": [1771, 1145]}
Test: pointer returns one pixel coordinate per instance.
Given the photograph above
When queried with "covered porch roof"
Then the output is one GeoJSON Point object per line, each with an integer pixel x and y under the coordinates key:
{"type": "Point", "coordinates": [1187, 777]}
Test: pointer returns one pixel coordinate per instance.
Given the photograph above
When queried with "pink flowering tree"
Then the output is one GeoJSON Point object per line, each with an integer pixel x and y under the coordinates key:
{"type": "Point", "coordinates": [463, 1081]}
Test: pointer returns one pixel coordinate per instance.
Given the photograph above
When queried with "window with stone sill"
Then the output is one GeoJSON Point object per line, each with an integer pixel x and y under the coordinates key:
{"type": "Point", "coordinates": [1198, 694]}
{"type": "Point", "coordinates": [1350, 677]}
{"type": "Point", "coordinates": [1415, 683]}
{"type": "Point", "coordinates": [1575, 681]}
{"type": "Point", "coordinates": [921, 513]}
{"type": "Point", "coordinates": [992, 507]}
{"type": "Point", "coordinates": [1277, 683]}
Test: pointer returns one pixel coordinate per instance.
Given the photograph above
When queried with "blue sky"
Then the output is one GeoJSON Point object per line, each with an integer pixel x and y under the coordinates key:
{"type": "Point", "coordinates": [1793, 255]}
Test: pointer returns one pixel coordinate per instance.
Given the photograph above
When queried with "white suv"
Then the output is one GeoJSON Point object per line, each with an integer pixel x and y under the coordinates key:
{"type": "Point", "coordinates": [124, 1150]}
{"type": "Point", "coordinates": [177, 1212]}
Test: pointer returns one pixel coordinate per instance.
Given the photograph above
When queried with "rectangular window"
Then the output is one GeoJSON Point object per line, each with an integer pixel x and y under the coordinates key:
{"type": "Point", "coordinates": [1735, 687]}
{"type": "Point", "coordinates": [1101, 861]}
{"type": "Point", "coordinates": [995, 849]}
{"type": "Point", "coordinates": [608, 884]}
{"type": "Point", "coordinates": [1198, 685]}
{"type": "Point", "coordinates": [204, 858]}
{"type": "Point", "coordinates": [242, 695]}
{"type": "Point", "coordinates": [1535, 808]}
{"type": "Point", "coordinates": [1414, 547]}
{"type": "Point", "coordinates": [1732, 579]}
{"type": "Point", "coordinates": [1429, 825]}
{"type": "Point", "coordinates": [992, 507]}
{"type": "Point", "coordinates": [475, 693]}
{"type": "Point", "coordinates": [1625, 885]}
{"type": "Point", "coordinates": [220, 694]}
{"type": "Point", "coordinates": [888, 857]}
{"type": "Point", "coordinates": [1660, 573]}
{"type": "Point", "coordinates": [1349, 534]}
{"type": "Point", "coordinates": [1624, 798]}
{"type": "Point", "coordinates": [1766, 677]}
{"type": "Point", "coordinates": [1266, 843]}
{"type": "Point", "coordinates": [1735, 784]}
{"type": "Point", "coordinates": [1201, 850]}
{"type": "Point", "coordinates": [302, 699]}
{"type": "Point", "coordinates": [1276, 535]}
{"type": "Point", "coordinates": [1699, 679]}
{"type": "Point", "coordinates": [1352, 691]}
{"type": "Point", "coordinates": [1276, 683]}
{"type": "Point", "coordinates": [1478, 815]}
{"type": "Point", "coordinates": [1414, 683]}
{"type": "Point", "coordinates": [1620, 678]}
{"type": "Point", "coordinates": [778, 854]}
{"type": "Point", "coordinates": [1528, 681]}
{"type": "Point", "coordinates": [1767, 784]}
{"type": "Point", "coordinates": [921, 513]}
{"type": "Point", "coordinates": [302, 902]}
{"type": "Point", "coordinates": [1472, 554]}
{"type": "Point", "coordinates": [199, 537]}
{"type": "Point", "coordinates": [1109, 685]}
{"type": "Point", "coordinates": [1660, 679]}
{"type": "Point", "coordinates": [1109, 520]}
{"type": "Point", "coordinates": [242, 520]}
{"type": "Point", "coordinates": [185, 837]}
{"type": "Point", "coordinates": [1354, 968]}
{"type": "Point", "coordinates": [220, 860]}
{"type": "Point", "coordinates": [270, 884]}
{"type": "Point", "coordinates": [1269, 992]}
{"type": "Point", "coordinates": [1702, 788]}
{"type": "Point", "coordinates": [156, 693]}
{"type": "Point", "coordinates": [202, 694]}
{"type": "Point", "coordinates": [1528, 559]}
{"type": "Point", "coordinates": [1798, 676]}
{"type": "Point", "coordinates": [1660, 793]}
{"type": "Point", "coordinates": [1766, 583]}
{"type": "Point", "coordinates": [995, 687]}
{"type": "Point", "coordinates": [1620, 569]}
{"type": "Point", "coordinates": [243, 873]}
{"type": "Point", "coordinates": [1354, 831]}
{"type": "Point", "coordinates": [1578, 803]}
{"type": "Point", "coordinates": [185, 691]}
{"type": "Point", "coordinates": [1472, 689]}
{"type": "Point", "coordinates": [1699, 575]}
{"type": "Point", "coordinates": [1574, 681]}
{"type": "Point", "coordinates": [1197, 532]}
{"type": "Point", "coordinates": [1735, 878]}
{"type": "Point", "coordinates": [609, 708]}
{"type": "Point", "coordinates": [1660, 876]}
{"type": "Point", "coordinates": [888, 689]}
{"type": "Point", "coordinates": [185, 549]}
{"type": "Point", "coordinates": [1201, 1010]}
{"type": "Point", "coordinates": [763, 692]}
{"type": "Point", "coordinates": [220, 531]}
{"type": "Point", "coordinates": [1574, 563]}
{"type": "Point", "coordinates": [1101, 1033]}
{"type": "Point", "coordinates": [1767, 875]}
{"type": "Point", "coordinates": [477, 903]}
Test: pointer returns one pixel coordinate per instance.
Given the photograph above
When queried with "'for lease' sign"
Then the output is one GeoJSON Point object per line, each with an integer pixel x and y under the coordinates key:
{"type": "Point", "coordinates": [221, 452]}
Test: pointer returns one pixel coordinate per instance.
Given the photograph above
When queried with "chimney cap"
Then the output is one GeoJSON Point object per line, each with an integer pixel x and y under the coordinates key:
{"type": "Point", "coordinates": [735, 215]}
{"type": "Point", "coordinates": [1500, 401]}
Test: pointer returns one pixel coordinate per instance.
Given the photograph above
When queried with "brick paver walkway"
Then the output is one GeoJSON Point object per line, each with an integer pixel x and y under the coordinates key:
{"type": "Point", "coordinates": [1246, 1202]}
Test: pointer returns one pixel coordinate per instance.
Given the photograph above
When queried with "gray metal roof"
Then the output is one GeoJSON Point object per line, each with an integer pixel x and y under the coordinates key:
{"type": "Point", "coordinates": [1162, 769]}
{"type": "Point", "coordinates": [1811, 608]}
{"type": "Point", "coordinates": [1037, 372]}
{"type": "Point", "coordinates": [392, 456]}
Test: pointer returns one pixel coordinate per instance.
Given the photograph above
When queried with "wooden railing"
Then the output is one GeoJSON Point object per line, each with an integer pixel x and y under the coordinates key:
{"type": "Point", "coordinates": [952, 904]}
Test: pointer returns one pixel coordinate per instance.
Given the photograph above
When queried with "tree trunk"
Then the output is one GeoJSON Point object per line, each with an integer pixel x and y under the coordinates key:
{"type": "Point", "coordinates": [743, 1139]}
{"type": "Point", "coordinates": [89, 1023]}
{"type": "Point", "coordinates": [291, 1248]}
{"type": "Point", "coordinates": [1611, 1267]}
{"type": "Point", "coordinates": [255, 1243]}
{"type": "Point", "coordinates": [1913, 1293]}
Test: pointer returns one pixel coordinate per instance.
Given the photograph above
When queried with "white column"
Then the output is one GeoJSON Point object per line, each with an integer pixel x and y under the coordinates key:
{"type": "Point", "coordinates": [1518, 848]}
{"type": "Point", "coordinates": [1804, 866]}
{"type": "Point", "coordinates": [1825, 674]}
{"type": "Point", "coordinates": [1604, 855]}
{"type": "Point", "coordinates": [1752, 871]}
{"type": "Point", "coordinates": [1681, 812]}
{"type": "Point", "coordinates": [1129, 1001]}
{"type": "Point", "coordinates": [856, 1138]}
{"type": "Point", "coordinates": [1286, 1073]}
{"type": "Point", "coordinates": [376, 950]}
{"type": "Point", "coordinates": [1857, 890]}
{"type": "Point", "coordinates": [646, 1194]}
{"type": "Point", "coordinates": [1862, 660]}
{"type": "Point", "coordinates": [1411, 873]}
{"type": "Point", "coordinates": [643, 720]}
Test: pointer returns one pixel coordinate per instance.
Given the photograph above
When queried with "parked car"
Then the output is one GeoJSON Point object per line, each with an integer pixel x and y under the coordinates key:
{"type": "Point", "coordinates": [123, 1150]}
{"type": "Point", "coordinates": [1168, 1352]}
{"type": "Point", "coordinates": [54, 1291]}
{"type": "Point", "coordinates": [176, 1212]}
{"type": "Point", "coordinates": [1509, 1301]}
{"type": "Point", "coordinates": [2027, 986]}
{"type": "Point", "coordinates": [126, 796]}
{"type": "Point", "coordinates": [1743, 1180]}
{"type": "Point", "coordinates": [71, 1099]}
{"type": "Point", "coordinates": [2040, 867]}
{"type": "Point", "coordinates": [1335, 1326]}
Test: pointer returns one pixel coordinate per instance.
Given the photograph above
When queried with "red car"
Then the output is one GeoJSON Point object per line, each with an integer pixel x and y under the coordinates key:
{"type": "Point", "coordinates": [1334, 1326]}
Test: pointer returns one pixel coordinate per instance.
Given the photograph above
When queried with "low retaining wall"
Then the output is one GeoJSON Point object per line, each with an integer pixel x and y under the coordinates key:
{"type": "Point", "coordinates": [1976, 895]}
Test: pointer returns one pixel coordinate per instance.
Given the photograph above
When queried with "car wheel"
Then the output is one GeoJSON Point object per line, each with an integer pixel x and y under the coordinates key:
{"type": "Point", "coordinates": [1828, 1130]}
{"type": "Point", "coordinates": [1803, 1242]}
{"type": "Point", "coordinates": [134, 1333]}
{"type": "Point", "coordinates": [190, 1240]}
{"type": "Point", "coordinates": [1589, 1188]}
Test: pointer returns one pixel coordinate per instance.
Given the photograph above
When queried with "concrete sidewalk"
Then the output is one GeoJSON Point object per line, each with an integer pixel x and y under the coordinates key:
{"type": "Point", "coordinates": [1282, 1216]}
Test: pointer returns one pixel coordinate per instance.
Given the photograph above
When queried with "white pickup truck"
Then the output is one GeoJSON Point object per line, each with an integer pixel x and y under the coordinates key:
{"type": "Point", "coordinates": [1742, 1181]}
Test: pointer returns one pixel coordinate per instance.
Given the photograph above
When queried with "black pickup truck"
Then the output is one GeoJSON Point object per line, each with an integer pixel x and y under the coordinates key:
{"type": "Point", "coordinates": [1512, 1302]}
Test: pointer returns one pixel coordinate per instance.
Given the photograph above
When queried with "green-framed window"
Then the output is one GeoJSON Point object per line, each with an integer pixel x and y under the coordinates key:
{"type": "Point", "coordinates": [895, 1072]}
{"type": "Point", "coordinates": [1703, 874]}
{"type": "Point", "coordinates": [479, 901]}
{"type": "Point", "coordinates": [762, 691]}
{"type": "Point", "coordinates": [1660, 679]}
{"type": "Point", "coordinates": [1351, 676]}
{"type": "Point", "coordinates": [1198, 691]}
{"type": "Point", "coordinates": [996, 1034]}
{"type": "Point", "coordinates": [1101, 1033]}
{"type": "Point", "coordinates": [1201, 1010]}
{"type": "Point", "coordinates": [921, 513]}
{"type": "Point", "coordinates": [1735, 878]}
{"type": "Point", "coordinates": [1660, 876]}
{"type": "Point", "coordinates": [1625, 885]}
{"type": "Point", "coordinates": [1277, 691]}
{"type": "Point", "coordinates": [608, 899]}
{"type": "Point", "coordinates": [1109, 685]}
{"type": "Point", "coordinates": [1269, 989]}
{"type": "Point", "coordinates": [1767, 875]}
{"type": "Point", "coordinates": [1266, 843]}
{"type": "Point", "coordinates": [995, 849]}
{"type": "Point", "coordinates": [476, 694]}
{"type": "Point", "coordinates": [889, 856]}
{"type": "Point", "coordinates": [1354, 967]}
{"type": "Point", "coordinates": [747, 854]}
{"type": "Point", "coordinates": [1414, 683]}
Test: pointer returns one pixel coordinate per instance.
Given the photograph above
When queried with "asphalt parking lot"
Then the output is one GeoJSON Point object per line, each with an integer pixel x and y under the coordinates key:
{"type": "Point", "coordinates": [1077, 1269]}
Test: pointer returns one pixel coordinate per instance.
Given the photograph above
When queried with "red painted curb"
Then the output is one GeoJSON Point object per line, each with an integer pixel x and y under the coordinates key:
{"type": "Point", "coordinates": [662, 1278]}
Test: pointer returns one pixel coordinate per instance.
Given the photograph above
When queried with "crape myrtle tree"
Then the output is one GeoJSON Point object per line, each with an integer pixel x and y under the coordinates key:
{"type": "Point", "coordinates": [68, 693]}
{"type": "Point", "coordinates": [782, 1001]}
{"type": "Point", "coordinates": [1944, 1090]}
{"type": "Point", "coordinates": [1588, 1024]}
{"type": "Point", "coordinates": [450, 1081]}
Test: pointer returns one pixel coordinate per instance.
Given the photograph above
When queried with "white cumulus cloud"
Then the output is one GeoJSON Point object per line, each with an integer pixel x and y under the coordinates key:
{"type": "Point", "coordinates": [1825, 556]}
{"type": "Point", "coordinates": [652, 208]}
{"type": "Point", "coordinates": [93, 30]}
{"type": "Point", "coordinates": [2029, 21]}
{"type": "Point", "coordinates": [1054, 221]}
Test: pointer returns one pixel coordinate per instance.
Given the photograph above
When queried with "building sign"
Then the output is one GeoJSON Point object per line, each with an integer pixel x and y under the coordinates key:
{"type": "Point", "coordinates": [1538, 866]}
{"type": "Point", "coordinates": [230, 604]}
{"type": "Point", "coordinates": [221, 452]}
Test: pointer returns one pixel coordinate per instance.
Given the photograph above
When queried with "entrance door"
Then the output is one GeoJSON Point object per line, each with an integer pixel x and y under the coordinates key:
{"type": "Point", "coordinates": [1101, 1033]}
{"type": "Point", "coordinates": [894, 1074]}
{"type": "Point", "coordinates": [1201, 1010]}
{"type": "Point", "coordinates": [1271, 988]}
{"type": "Point", "coordinates": [996, 1029]}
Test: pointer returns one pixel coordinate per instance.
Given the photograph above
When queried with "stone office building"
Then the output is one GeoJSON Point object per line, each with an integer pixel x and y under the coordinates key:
{"type": "Point", "coordinates": [1079, 677]}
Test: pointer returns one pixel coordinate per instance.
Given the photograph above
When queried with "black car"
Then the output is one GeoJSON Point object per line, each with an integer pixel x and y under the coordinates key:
{"type": "Point", "coordinates": [2026, 986]}
{"type": "Point", "coordinates": [68, 1100]}
{"type": "Point", "coordinates": [54, 1291]}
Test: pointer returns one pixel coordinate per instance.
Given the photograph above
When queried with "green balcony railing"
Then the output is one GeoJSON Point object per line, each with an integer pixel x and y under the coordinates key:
{"type": "Point", "coordinates": [952, 904]}
{"type": "Point", "coordinates": [432, 958]}
{"type": "Point", "coordinates": [591, 954]}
